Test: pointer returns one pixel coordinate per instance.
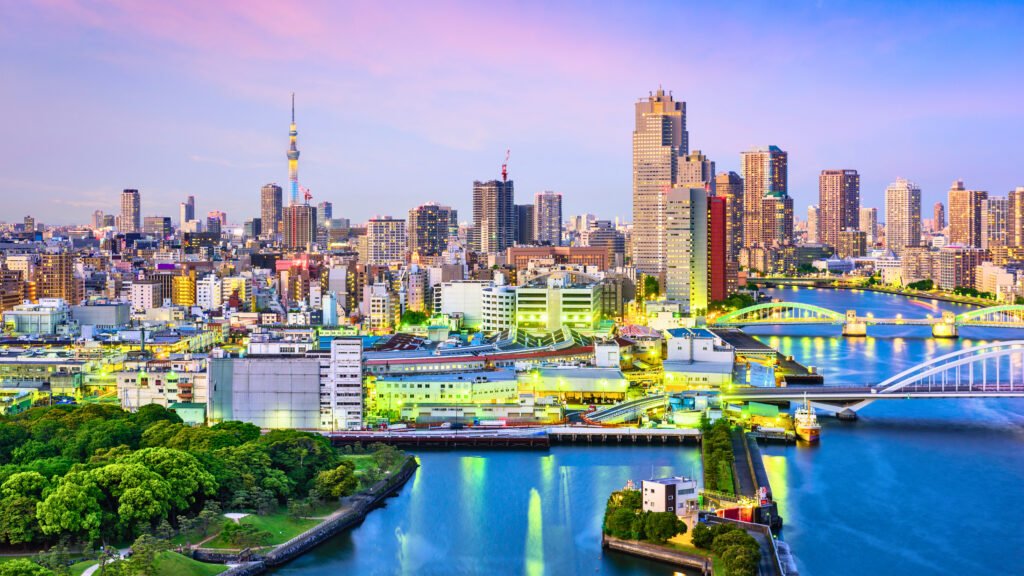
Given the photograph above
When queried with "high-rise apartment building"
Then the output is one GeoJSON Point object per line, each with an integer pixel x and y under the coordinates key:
{"type": "Point", "coordinates": [965, 215]}
{"type": "Point", "coordinates": [765, 177]}
{"type": "Point", "coordinates": [386, 241]}
{"type": "Point", "coordinates": [1015, 217]}
{"type": "Point", "coordinates": [494, 216]}
{"type": "Point", "coordinates": [299, 223]}
{"type": "Point", "coordinates": [271, 209]}
{"type": "Point", "coordinates": [869, 224]}
{"type": "Point", "coordinates": [157, 226]}
{"type": "Point", "coordinates": [839, 202]}
{"type": "Point", "coordinates": [851, 243]}
{"type": "Point", "coordinates": [429, 227]}
{"type": "Point", "coordinates": [186, 211]}
{"type": "Point", "coordinates": [56, 276]}
{"type": "Point", "coordinates": [547, 218]}
{"type": "Point", "coordinates": [131, 211]}
{"type": "Point", "coordinates": [686, 227]}
{"type": "Point", "coordinates": [729, 185]}
{"type": "Point", "coordinates": [813, 224]}
{"type": "Point", "coordinates": [659, 140]}
{"type": "Point", "coordinates": [902, 215]}
{"type": "Point", "coordinates": [721, 277]}
{"type": "Point", "coordinates": [525, 233]}
{"type": "Point", "coordinates": [995, 214]}
{"type": "Point", "coordinates": [939, 221]}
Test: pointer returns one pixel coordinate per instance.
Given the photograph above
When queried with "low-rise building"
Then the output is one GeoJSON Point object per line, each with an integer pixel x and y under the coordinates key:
{"type": "Point", "coordinates": [697, 345]}
{"type": "Point", "coordinates": [47, 317]}
{"type": "Point", "coordinates": [676, 494]}
{"type": "Point", "coordinates": [576, 385]}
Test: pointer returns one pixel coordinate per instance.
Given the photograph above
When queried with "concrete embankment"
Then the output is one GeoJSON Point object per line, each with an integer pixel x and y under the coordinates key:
{"type": "Point", "coordinates": [659, 553]}
{"type": "Point", "coordinates": [354, 509]}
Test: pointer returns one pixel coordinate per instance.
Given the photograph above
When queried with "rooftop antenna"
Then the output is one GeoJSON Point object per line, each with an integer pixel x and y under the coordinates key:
{"type": "Point", "coordinates": [504, 166]}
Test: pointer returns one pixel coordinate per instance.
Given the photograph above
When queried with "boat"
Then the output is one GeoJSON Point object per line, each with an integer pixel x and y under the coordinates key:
{"type": "Point", "coordinates": [806, 423]}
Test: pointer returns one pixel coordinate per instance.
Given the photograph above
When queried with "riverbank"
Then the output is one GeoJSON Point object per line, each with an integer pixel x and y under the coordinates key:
{"type": "Point", "coordinates": [667, 554]}
{"type": "Point", "coordinates": [353, 510]}
{"type": "Point", "coordinates": [938, 296]}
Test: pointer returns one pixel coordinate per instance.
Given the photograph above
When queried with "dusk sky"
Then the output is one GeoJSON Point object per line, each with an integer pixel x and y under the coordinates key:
{"type": "Point", "coordinates": [402, 103]}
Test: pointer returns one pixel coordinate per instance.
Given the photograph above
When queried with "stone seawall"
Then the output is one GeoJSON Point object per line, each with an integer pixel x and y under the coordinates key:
{"type": "Point", "coordinates": [659, 553]}
{"type": "Point", "coordinates": [354, 510]}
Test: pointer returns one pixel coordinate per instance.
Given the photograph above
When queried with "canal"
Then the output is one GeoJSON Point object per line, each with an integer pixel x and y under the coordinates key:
{"type": "Point", "coordinates": [913, 487]}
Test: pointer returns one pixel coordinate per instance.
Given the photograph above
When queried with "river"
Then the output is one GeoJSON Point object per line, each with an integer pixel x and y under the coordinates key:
{"type": "Point", "coordinates": [912, 487]}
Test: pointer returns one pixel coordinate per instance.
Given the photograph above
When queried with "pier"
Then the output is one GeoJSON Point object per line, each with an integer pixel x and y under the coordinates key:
{"type": "Point", "coordinates": [603, 435]}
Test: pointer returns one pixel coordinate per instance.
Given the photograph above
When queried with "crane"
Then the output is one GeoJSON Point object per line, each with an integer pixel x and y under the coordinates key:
{"type": "Point", "coordinates": [504, 166]}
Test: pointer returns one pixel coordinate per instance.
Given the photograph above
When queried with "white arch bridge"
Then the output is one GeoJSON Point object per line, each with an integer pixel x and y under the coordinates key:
{"type": "Point", "coordinates": [993, 370]}
{"type": "Point", "coordinates": [854, 324]}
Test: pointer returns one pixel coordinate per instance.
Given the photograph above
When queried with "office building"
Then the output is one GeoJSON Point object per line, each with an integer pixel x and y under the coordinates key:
{"type": "Point", "coordinates": [271, 211]}
{"type": "Point", "coordinates": [525, 233]}
{"type": "Point", "coordinates": [547, 218]}
{"type": "Point", "coordinates": [902, 215]}
{"type": "Point", "coordinates": [494, 216]}
{"type": "Point", "coordinates": [157, 226]}
{"type": "Point", "coordinates": [697, 171]}
{"type": "Point", "coordinates": [965, 215]}
{"type": "Point", "coordinates": [766, 188]}
{"type": "Point", "coordinates": [659, 141]}
{"type": "Point", "coordinates": [869, 224]}
{"type": "Point", "coordinates": [721, 276]}
{"type": "Point", "coordinates": [686, 224]}
{"type": "Point", "coordinates": [429, 228]}
{"type": "Point", "coordinates": [958, 264]}
{"type": "Point", "coordinates": [386, 241]}
{"type": "Point", "coordinates": [324, 212]}
{"type": "Point", "coordinates": [839, 204]}
{"type": "Point", "coordinates": [851, 244]}
{"type": "Point", "coordinates": [561, 299]}
{"type": "Point", "coordinates": [186, 211]}
{"type": "Point", "coordinates": [56, 278]}
{"type": "Point", "coordinates": [131, 211]}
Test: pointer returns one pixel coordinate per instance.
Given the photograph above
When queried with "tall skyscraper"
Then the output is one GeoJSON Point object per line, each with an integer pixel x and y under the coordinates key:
{"type": "Point", "coordinates": [995, 216]}
{"type": "Point", "coordinates": [902, 215]}
{"type": "Point", "coordinates": [939, 223]}
{"type": "Point", "coordinates": [965, 215]}
{"type": "Point", "coordinates": [547, 218]}
{"type": "Point", "coordinates": [869, 224]}
{"type": "Point", "coordinates": [813, 224]}
{"type": "Point", "coordinates": [729, 185]}
{"type": "Point", "coordinates": [839, 202]}
{"type": "Point", "coordinates": [186, 211]}
{"type": "Point", "coordinates": [525, 233]}
{"type": "Point", "coordinates": [686, 227]}
{"type": "Point", "coordinates": [293, 158]}
{"type": "Point", "coordinates": [270, 209]}
{"type": "Point", "coordinates": [324, 212]}
{"type": "Point", "coordinates": [659, 140]}
{"type": "Point", "coordinates": [494, 216]}
{"type": "Point", "coordinates": [766, 185]}
{"type": "Point", "coordinates": [131, 211]}
{"type": "Point", "coordinates": [429, 227]}
{"type": "Point", "coordinates": [386, 240]}
{"type": "Point", "coordinates": [697, 171]}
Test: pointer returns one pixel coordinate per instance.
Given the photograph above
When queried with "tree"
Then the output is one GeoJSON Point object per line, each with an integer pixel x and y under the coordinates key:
{"type": "Point", "coordinates": [134, 494]}
{"type": "Point", "coordinates": [73, 507]}
{"type": "Point", "coordinates": [413, 318]}
{"type": "Point", "coordinates": [23, 567]}
{"type": "Point", "coordinates": [733, 538]}
{"type": "Point", "coordinates": [619, 522]}
{"type": "Point", "coordinates": [187, 478]}
{"type": "Point", "coordinates": [702, 536]}
{"type": "Point", "coordinates": [651, 288]}
{"type": "Point", "coordinates": [300, 508]}
{"type": "Point", "coordinates": [18, 524]}
{"type": "Point", "coordinates": [340, 481]}
{"type": "Point", "coordinates": [661, 526]}
{"type": "Point", "coordinates": [244, 535]}
{"type": "Point", "coordinates": [142, 562]}
{"type": "Point", "coordinates": [386, 456]}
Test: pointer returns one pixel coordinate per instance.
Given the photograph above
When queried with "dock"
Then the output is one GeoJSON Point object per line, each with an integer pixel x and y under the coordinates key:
{"type": "Point", "coordinates": [411, 439]}
{"type": "Point", "coordinates": [609, 435]}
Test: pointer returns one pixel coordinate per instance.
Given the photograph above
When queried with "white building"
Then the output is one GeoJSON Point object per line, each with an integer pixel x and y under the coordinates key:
{"type": "Point", "coordinates": [498, 308]}
{"type": "Point", "coordinates": [995, 280]}
{"type": "Point", "coordinates": [548, 304]}
{"type": "Point", "coordinates": [209, 292]}
{"type": "Point", "coordinates": [675, 494]}
{"type": "Point", "coordinates": [145, 295]}
{"type": "Point", "coordinates": [490, 387]}
{"type": "Point", "coordinates": [47, 317]}
{"type": "Point", "coordinates": [386, 240]}
{"type": "Point", "coordinates": [341, 385]}
{"type": "Point", "coordinates": [462, 296]}
{"type": "Point", "coordinates": [697, 345]}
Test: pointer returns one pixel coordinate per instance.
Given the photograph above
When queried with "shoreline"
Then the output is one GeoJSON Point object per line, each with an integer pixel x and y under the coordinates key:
{"type": "Point", "coordinates": [358, 507]}
{"type": "Point", "coordinates": [951, 299]}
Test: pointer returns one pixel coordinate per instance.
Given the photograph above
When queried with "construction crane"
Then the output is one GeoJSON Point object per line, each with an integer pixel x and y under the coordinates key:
{"type": "Point", "coordinates": [504, 166]}
{"type": "Point", "coordinates": [306, 194]}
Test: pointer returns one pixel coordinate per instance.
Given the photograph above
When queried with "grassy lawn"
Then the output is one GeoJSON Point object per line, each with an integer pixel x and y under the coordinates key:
{"type": "Point", "coordinates": [281, 526]}
{"type": "Point", "coordinates": [173, 564]}
{"type": "Point", "coordinates": [78, 567]}
{"type": "Point", "coordinates": [363, 462]}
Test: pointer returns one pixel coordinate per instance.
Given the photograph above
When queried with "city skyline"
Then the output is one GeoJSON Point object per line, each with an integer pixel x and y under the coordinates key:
{"type": "Point", "coordinates": [209, 125]}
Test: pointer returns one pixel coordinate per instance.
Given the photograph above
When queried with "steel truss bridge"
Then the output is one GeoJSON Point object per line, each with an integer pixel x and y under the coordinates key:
{"type": "Point", "coordinates": [796, 313]}
{"type": "Point", "coordinates": [994, 370]}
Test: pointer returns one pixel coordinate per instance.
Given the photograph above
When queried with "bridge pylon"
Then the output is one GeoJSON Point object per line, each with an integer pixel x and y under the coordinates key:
{"type": "Point", "coordinates": [854, 326]}
{"type": "Point", "coordinates": [946, 327]}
